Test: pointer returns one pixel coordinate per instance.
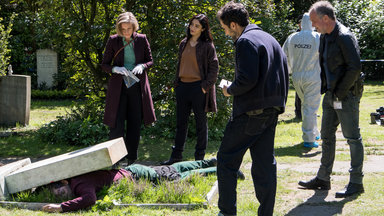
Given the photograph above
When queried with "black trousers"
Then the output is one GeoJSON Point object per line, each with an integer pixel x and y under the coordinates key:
{"type": "Point", "coordinates": [297, 106]}
{"type": "Point", "coordinates": [128, 119]}
{"type": "Point", "coordinates": [190, 96]}
{"type": "Point", "coordinates": [256, 133]}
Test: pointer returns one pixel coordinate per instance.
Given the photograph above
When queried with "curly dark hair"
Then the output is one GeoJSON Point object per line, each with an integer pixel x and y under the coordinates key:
{"type": "Point", "coordinates": [203, 20]}
{"type": "Point", "coordinates": [233, 12]}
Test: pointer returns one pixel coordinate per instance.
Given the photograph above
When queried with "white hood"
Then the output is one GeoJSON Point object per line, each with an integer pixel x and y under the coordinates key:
{"type": "Point", "coordinates": [306, 23]}
{"type": "Point", "coordinates": [302, 50]}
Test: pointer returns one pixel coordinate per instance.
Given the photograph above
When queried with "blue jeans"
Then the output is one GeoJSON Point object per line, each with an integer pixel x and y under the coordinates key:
{"type": "Point", "coordinates": [256, 133]}
{"type": "Point", "coordinates": [348, 117]}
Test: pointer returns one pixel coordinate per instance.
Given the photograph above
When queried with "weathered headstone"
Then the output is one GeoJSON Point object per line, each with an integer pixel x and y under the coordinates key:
{"type": "Point", "coordinates": [66, 165]}
{"type": "Point", "coordinates": [46, 66]}
{"type": "Point", "coordinates": [15, 99]}
{"type": "Point", "coordinates": [6, 170]}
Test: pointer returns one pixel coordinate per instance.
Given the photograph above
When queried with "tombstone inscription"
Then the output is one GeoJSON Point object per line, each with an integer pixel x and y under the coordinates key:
{"type": "Point", "coordinates": [46, 66]}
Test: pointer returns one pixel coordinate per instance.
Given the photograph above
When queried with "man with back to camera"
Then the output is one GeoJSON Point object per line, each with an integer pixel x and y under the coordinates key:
{"type": "Point", "coordinates": [302, 50]}
{"type": "Point", "coordinates": [340, 79]}
{"type": "Point", "coordinates": [260, 93]}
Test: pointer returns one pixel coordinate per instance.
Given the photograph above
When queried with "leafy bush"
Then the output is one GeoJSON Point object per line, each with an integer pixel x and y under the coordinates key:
{"type": "Point", "coordinates": [53, 94]}
{"type": "Point", "coordinates": [4, 50]}
{"type": "Point", "coordinates": [81, 126]}
{"type": "Point", "coordinates": [71, 131]}
{"type": "Point", "coordinates": [365, 18]}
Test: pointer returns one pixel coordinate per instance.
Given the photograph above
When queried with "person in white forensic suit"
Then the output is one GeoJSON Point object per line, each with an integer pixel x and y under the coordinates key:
{"type": "Point", "coordinates": [302, 50]}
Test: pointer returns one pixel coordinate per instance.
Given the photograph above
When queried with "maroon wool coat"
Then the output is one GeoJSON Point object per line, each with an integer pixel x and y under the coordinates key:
{"type": "Point", "coordinates": [143, 55]}
{"type": "Point", "coordinates": [209, 68]}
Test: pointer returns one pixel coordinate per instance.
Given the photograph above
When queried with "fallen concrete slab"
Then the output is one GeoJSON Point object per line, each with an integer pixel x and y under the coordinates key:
{"type": "Point", "coordinates": [212, 192]}
{"type": "Point", "coordinates": [67, 165]}
{"type": "Point", "coordinates": [6, 170]}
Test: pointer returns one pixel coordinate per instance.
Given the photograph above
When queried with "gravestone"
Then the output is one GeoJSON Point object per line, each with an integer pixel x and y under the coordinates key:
{"type": "Point", "coordinates": [15, 100]}
{"type": "Point", "coordinates": [46, 66]}
{"type": "Point", "coordinates": [67, 165]}
{"type": "Point", "coordinates": [6, 170]}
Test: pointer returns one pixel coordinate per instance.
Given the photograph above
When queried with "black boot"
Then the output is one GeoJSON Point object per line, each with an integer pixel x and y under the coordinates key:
{"type": "Point", "coordinates": [316, 183]}
{"type": "Point", "coordinates": [212, 162]}
{"type": "Point", "coordinates": [240, 175]}
{"type": "Point", "coordinates": [350, 189]}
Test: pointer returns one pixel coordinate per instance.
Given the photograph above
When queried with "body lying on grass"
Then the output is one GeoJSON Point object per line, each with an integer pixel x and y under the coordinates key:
{"type": "Point", "coordinates": [85, 187]}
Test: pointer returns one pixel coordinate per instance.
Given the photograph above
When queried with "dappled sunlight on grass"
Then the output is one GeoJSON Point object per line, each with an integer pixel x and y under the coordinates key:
{"type": "Point", "coordinates": [50, 105]}
{"type": "Point", "coordinates": [30, 146]}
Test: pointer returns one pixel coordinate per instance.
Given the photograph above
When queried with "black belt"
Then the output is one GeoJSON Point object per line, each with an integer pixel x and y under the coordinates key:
{"type": "Point", "coordinates": [260, 111]}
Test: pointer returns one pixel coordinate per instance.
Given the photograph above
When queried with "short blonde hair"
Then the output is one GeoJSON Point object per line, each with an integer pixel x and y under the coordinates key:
{"type": "Point", "coordinates": [126, 17]}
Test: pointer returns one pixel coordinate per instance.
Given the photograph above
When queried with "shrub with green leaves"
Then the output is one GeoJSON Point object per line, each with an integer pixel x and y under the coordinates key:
{"type": "Point", "coordinates": [365, 18]}
{"type": "Point", "coordinates": [4, 40]}
{"type": "Point", "coordinates": [53, 94]}
{"type": "Point", "coordinates": [82, 126]}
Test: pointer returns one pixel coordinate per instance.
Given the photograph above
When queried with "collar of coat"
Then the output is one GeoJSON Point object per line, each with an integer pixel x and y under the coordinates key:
{"type": "Point", "coordinates": [333, 35]}
{"type": "Point", "coordinates": [250, 27]}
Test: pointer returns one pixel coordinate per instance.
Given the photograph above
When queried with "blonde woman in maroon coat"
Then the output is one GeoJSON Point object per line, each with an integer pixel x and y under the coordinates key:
{"type": "Point", "coordinates": [196, 76]}
{"type": "Point", "coordinates": [126, 107]}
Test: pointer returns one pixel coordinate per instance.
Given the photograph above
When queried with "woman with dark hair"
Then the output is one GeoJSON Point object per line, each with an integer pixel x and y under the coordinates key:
{"type": "Point", "coordinates": [196, 76]}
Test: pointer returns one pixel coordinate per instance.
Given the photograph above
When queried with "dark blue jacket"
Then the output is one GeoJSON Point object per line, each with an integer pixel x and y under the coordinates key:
{"type": "Point", "coordinates": [261, 76]}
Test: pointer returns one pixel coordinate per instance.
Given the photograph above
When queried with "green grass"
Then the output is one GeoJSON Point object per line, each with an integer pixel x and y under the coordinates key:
{"type": "Point", "coordinates": [26, 144]}
{"type": "Point", "coordinates": [192, 189]}
{"type": "Point", "coordinates": [42, 112]}
{"type": "Point", "coordinates": [44, 195]}
{"type": "Point", "coordinates": [289, 150]}
{"type": "Point", "coordinates": [29, 145]}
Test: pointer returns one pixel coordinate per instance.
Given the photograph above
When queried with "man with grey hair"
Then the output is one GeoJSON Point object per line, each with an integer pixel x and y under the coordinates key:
{"type": "Point", "coordinates": [341, 83]}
